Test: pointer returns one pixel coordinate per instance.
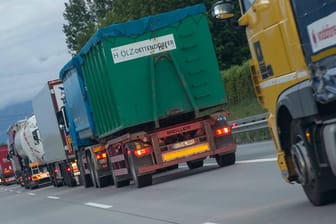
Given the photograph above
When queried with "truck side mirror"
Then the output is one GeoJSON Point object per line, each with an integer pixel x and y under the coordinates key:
{"type": "Point", "coordinates": [60, 118]}
{"type": "Point", "coordinates": [222, 10]}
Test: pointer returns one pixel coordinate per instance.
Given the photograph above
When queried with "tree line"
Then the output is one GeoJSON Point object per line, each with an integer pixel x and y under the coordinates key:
{"type": "Point", "coordinates": [84, 17]}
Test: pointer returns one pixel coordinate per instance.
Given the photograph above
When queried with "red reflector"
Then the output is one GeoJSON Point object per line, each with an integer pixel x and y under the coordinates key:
{"type": "Point", "coordinates": [223, 131]}
{"type": "Point", "coordinates": [56, 171]}
{"type": "Point", "coordinates": [68, 169]}
{"type": "Point", "coordinates": [142, 152]}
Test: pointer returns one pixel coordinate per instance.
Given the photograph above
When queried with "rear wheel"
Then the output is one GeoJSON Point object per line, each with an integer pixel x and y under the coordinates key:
{"type": "Point", "coordinates": [94, 176]}
{"type": "Point", "coordinates": [305, 170]}
{"type": "Point", "coordinates": [226, 160]}
{"type": "Point", "coordinates": [195, 164]}
{"type": "Point", "coordinates": [141, 181]}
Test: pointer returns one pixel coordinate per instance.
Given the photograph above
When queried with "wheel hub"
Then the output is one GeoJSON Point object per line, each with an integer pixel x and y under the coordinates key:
{"type": "Point", "coordinates": [302, 163]}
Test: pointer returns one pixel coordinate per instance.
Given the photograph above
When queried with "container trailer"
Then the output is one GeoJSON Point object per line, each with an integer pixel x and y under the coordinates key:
{"type": "Point", "coordinates": [146, 95]}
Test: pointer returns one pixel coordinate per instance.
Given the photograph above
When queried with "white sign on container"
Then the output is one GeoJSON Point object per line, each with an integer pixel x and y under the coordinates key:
{"type": "Point", "coordinates": [143, 48]}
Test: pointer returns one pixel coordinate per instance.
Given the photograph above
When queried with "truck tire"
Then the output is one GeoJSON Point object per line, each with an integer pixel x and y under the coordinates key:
{"type": "Point", "coordinates": [226, 160]}
{"type": "Point", "coordinates": [311, 183]}
{"type": "Point", "coordinates": [141, 181]}
{"type": "Point", "coordinates": [94, 176]}
{"type": "Point", "coordinates": [195, 164]}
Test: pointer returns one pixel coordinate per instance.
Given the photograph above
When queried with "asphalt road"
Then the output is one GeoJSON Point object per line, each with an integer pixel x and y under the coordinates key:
{"type": "Point", "coordinates": [250, 192]}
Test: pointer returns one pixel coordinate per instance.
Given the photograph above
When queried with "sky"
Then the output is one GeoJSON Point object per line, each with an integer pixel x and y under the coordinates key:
{"type": "Point", "coordinates": [32, 47]}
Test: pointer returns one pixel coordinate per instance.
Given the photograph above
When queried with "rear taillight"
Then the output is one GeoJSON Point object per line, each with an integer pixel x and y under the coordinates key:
{"type": "Point", "coordinates": [101, 156]}
{"type": "Point", "coordinates": [35, 178]}
{"type": "Point", "coordinates": [142, 152]}
{"type": "Point", "coordinates": [223, 131]}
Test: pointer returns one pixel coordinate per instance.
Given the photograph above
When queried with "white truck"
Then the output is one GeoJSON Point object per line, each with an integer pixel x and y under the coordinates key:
{"type": "Point", "coordinates": [60, 159]}
{"type": "Point", "coordinates": [26, 153]}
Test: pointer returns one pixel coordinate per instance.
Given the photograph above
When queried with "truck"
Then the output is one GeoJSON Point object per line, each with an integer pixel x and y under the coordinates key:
{"type": "Point", "coordinates": [144, 96]}
{"type": "Point", "coordinates": [58, 154]}
{"type": "Point", "coordinates": [293, 68]}
{"type": "Point", "coordinates": [25, 151]}
{"type": "Point", "coordinates": [6, 170]}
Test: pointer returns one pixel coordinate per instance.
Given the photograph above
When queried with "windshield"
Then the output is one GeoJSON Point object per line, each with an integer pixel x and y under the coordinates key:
{"type": "Point", "coordinates": [246, 4]}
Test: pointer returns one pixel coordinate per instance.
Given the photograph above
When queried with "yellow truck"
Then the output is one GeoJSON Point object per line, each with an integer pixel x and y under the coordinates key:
{"type": "Point", "coordinates": [293, 70]}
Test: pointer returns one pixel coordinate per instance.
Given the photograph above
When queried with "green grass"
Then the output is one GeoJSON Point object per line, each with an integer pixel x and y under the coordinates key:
{"type": "Point", "coordinates": [245, 108]}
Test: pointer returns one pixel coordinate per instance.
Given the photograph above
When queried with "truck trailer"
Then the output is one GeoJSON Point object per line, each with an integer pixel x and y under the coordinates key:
{"type": "Point", "coordinates": [59, 157]}
{"type": "Point", "coordinates": [293, 69]}
{"type": "Point", "coordinates": [146, 95]}
{"type": "Point", "coordinates": [25, 150]}
{"type": "Point", "coordinates": [6, 170]}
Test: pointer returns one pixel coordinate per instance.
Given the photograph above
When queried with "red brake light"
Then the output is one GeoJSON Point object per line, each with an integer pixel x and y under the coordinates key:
{"type": "Point", "coordinates": [98, 156]}
{"type": "Point", "coordinates": [104, 155]}
{"type": "Point", "coordinates": [55, 171]}
{"type": "Point", "coordinates": [223, 131]}
{"type": "Point", "coordinates": [142, 152]}
{"type": "Point", "coordinates": [68, 169]}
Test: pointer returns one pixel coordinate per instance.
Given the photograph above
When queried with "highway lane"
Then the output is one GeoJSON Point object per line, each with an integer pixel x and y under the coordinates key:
{"type": "Point", "coordinates": [251, 191]}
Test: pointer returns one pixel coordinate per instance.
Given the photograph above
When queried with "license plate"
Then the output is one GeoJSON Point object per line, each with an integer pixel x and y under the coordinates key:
{"type": "Point", "coordinates": [183, 144]}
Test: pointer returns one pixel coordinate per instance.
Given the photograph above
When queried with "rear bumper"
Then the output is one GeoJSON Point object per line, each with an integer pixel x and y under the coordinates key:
{"type": "Point", "coordinates": [212, 153]}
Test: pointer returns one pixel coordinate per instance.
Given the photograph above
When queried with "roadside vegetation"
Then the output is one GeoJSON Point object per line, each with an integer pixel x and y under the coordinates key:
{"type": "Point", "coordinates": [242, 101]}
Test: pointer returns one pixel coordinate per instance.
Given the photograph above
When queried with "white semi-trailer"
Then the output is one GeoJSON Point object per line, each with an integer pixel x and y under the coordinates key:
{"type": "Point", "coordinates": [58, 155]}
{"type": "Point", "coordinates": [26, 153]}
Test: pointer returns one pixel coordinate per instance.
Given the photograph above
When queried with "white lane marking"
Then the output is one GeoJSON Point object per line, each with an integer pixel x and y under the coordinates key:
{"type": "Point", "coordinates": [31, 194]}
{"type": "Point", "coordinates": [97, 205]}
{"type": "Point", "coordinates": [53, 197]}
{"type": "Point", "coordinates": [209, 223]}
{"type": "Point", "coordinates": [19, 192]}
{"type": "Point", "coordinates": [258, 160]}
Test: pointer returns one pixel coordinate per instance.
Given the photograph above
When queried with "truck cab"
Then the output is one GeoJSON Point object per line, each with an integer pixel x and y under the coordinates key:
{"type": "Point", "coordinates": [293, 61]}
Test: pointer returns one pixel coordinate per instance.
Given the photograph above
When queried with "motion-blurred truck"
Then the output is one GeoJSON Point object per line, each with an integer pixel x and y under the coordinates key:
{"type": "Point", "coordinates": [6, 171]}
{"type": "Point", "coordinates": [25, 151]}
{"type": "Point", "coordinates": [58, 154]}
{"type": "Point", "coordinates": [293, 69]}
{"type": "Point", "coordinates": [147, 95]}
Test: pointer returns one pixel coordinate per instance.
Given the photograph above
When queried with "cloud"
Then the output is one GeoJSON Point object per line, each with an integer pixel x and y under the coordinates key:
{"type": "Point", "coordinates": [32, 47]}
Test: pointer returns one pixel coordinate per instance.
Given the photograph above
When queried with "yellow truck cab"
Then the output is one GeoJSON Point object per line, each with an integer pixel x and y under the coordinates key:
{"type": "Point", "coordinates": [293, 70]}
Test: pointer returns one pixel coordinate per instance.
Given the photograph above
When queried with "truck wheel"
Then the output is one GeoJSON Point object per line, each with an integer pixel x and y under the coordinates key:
{"type": "Point", "coordinates": [94, 176]}
{"type": "Point", "coordinates": [226, 160]}
{"type": "Point", "coordinates": [122, 183]}
{"type": "Point", "coordinates": [141, 181]}
{"type": "Point", "coordinates": [195, 164]}
{"type": "Point", "coordinates": [305, 170]}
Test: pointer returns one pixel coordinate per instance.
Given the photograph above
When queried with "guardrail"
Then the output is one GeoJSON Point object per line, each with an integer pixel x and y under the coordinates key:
{"type": "Point", "coordinates": [250, 129]}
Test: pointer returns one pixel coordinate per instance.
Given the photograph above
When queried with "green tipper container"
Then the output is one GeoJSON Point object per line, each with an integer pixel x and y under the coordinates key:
{"type": "Point", "coordinates": [150, 69]}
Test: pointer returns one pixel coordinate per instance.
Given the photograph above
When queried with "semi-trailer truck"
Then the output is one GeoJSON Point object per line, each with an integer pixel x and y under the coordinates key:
{"type": "Point", "coordinates": [293, 70]}
{"type": "Point", "coordinates": [147, 95]}
{"type": "Point", "coordinates": [6, 170]}
{"type": "Point", "coordinates": [25, 151]}
{"type": "Point", "coordinates": [58, 154]}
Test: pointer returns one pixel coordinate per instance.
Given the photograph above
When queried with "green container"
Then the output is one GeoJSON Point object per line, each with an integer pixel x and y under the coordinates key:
{"type": "Point", "coordinates": [151, 69]}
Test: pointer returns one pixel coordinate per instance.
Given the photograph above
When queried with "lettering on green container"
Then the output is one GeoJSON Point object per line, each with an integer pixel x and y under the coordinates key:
{"type": "Point", "coordinates": [143, 48]}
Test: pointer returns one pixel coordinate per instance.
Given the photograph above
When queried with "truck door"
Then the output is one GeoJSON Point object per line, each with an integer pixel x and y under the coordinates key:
{"type": "Point", "coordinates": [265, 28]}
